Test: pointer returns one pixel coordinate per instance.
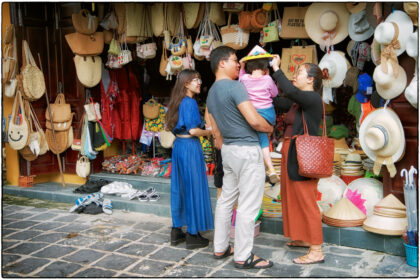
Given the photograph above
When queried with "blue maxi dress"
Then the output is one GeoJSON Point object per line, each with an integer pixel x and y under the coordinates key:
{"type": "Point", "coordinates": [190, 198]}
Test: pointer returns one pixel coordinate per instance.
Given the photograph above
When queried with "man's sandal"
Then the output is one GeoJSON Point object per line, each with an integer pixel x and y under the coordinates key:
{"type": "Point", "coordinates": [226, 254]}
{"type": "Point", "coordinates": [250, 263]}
{"type": "Point", "coordinates": [293, 244]}
{"type": "Point", "coordinates": [305, 259]}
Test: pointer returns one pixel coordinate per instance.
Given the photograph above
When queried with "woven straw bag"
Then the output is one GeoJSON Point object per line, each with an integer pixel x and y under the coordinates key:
{"type": "Point", "coordinates": [258, 19]}
{"type": "Point", "coordinates": [190, 12]}
{"type": "Point", "coordinates": [119, 8]}
{"type": "Point", "coordinates": [151, 109]}
{"type": "Point", "coordinates": [32, 77]}
{"type": "Point", "coordinates": [233, 36]}
{"type": "Point", "coordinates": [167, 139]}
{"type": "Point", "coordinates": [83, 167]}
{"type": "Point", "coordinates": [157, 18]}
{"type": "Point", "coordinates": [88, 70]}
{"type": "Point", "coordinates": [86, 44]}
{"type": "Point", "coordinates": [84, 22]}
{"type": "Point", "coordinates": [271, 31]}
{"type": "Point", "coordinates": [173, 17]}
{"type": "Point", "coordinates": [62, 138]}
{"type": "Point", "coordinates": [18, 134]}
{"type": "Point", "coordinates": [134, 16]}
{"type": "Point", "coordinates": [60, 110]}
{"type": "Point", "coordinates": [43, 145]}
{"type": "Point", "coordinates": [315, 154]}
{"type": "Point", "coordinates": [163, 61]}
{"type": "Point", "coordinates": [216, 14]}
{"type": "Point", "coordinates": [27, 152]}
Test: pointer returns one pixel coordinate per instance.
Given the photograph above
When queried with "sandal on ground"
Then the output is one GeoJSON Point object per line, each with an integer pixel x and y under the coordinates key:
{"type": "Point", "coordinates": [251, 263]}
{"type": "Point", "coordinates": [107, 206]}
{"type": "Point", "coordinates": [145, 195]}
{"type": "Point", "coordinates": [154, 197]}
{"type": "Point", "coordinates": [226, 254]}
{"type": "Point", "coordinates": [293, 244]}
{"type": "Point", "coordinates": [306, 259]}
{"type": "Point", "coordinates": [83, 201]}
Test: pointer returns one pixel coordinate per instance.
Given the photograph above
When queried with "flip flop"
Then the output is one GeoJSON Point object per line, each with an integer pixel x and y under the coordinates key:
{"type": "Point", "coordinates": [226, 254]}
{"type": "Point", "coordinates": [154, 197]}
{"type": "Point", "coordinates": [86, 200]}
{"type": "Point", "coordinates": [107, 206]}
{"type": "Point", "coordinates": [145, 196]}
{"type": "Point", "coordinates": [250, 263]}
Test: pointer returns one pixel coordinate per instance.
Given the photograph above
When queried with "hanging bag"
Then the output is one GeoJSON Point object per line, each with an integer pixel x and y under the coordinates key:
{"type": "Point", "coordinates": [32, 77]}
{"type": "Point", "coordinates": [88, 70]}
{"type": "Point", "coordinates": [18, 130]}
{"type": "Point", "coordinates": [271, 31]}
{"type": "Point", "coordinates": [315, 154]}
{"type": "Point", "coordinates": [114, 47]}
{"type": "Point", "coordinates": [151, 109]}
{"type": "Point", "coordinates": [245, 20]}
{"type": "Point", "coordinates": [93, 111]}
{"type": "Point", "coordinates": [43, 145]}
{"type": "Point", "coordinates": [84, 22]}
{"type": "Point", "coordinates": [83, 167]}
{"type": "Point", "coordinates": [125, 54]}
{"type": "Point", "coordinates": [163, 61]}
{"type": "Point", "coordinates": [292, 25]}
{"type": "Point", "coordinates": [146, 51]}
{"type": "Point", "coordinates": [295, 56]}
{"type": "Point", "coordinates": [233, 36]}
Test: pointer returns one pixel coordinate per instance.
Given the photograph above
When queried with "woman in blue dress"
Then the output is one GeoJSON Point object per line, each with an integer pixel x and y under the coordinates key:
{"type": "Point", "coordinates": [190, 199]}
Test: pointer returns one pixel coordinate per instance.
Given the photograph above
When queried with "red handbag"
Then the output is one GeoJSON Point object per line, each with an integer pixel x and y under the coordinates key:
{"type": "Point", "coordinates": [315, 154]}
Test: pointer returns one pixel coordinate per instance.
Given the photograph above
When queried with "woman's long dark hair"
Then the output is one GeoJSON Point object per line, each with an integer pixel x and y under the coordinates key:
{"type": "Point", "coordinates": [178, 92]}
{"type": "Point", "coordinates": [315, 72]}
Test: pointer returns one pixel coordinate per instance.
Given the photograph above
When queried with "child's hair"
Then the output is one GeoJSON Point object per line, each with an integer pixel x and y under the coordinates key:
{"type": "Point", "coordinates": [256, 64]}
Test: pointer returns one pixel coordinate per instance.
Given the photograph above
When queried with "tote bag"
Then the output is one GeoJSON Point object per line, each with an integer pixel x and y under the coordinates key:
{"type": "Point", "coordinates": [292, 25]}
{"type": "Point", "coordinates": [293, 57]}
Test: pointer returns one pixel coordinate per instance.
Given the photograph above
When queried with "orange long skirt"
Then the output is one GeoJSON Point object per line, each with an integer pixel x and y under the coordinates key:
{"type": "Point", "coordinates": [301, 215]}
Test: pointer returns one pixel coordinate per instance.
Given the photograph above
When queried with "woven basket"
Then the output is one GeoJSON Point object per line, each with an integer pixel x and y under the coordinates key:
{"type": "Point", "coordinates": [81, 22]}
{"type": "Point", "coordinates": [32, 77]}
{"type": "Point", "coordinates": [234, 37]}
{"type": "Point", "coordinates": [27, 154]}
{"type": "Point", "coordinates": [62, 140]}
{"type": "Point", "coordinates": [86, 44]}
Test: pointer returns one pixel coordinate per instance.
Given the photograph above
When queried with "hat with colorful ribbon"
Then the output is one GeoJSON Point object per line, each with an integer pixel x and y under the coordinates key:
{"type": "Point", "coordinates": [256, 53]}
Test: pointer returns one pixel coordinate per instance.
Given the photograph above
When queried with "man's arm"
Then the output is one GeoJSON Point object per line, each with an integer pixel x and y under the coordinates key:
{"type": "Point", "coordinates": [253, 118]}
{"type": "Point", "coordinates": [218, 138]}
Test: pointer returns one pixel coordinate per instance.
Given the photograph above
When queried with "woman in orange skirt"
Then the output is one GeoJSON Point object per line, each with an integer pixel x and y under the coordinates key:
{"type": "Point", "coordinates": [301, 216]}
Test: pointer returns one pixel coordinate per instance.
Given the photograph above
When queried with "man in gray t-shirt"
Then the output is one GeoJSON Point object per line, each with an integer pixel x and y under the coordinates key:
{"type": "Point", "coordinates": [234, 122]}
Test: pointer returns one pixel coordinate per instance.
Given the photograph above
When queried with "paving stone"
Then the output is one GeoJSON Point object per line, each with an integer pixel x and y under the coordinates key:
{"type": "Point", "coordinates": [24, 235]}
{"type": "Point", "coordinates": [405, 270]}
{"type": "Point", "coordinates": [151, 268]}
{"type": "Point", "coordinates": [223, 273]}
{"type": "Point", "coordinates": [270, 242]}
{"type": "Point", "coordinates": [48, 226]}
{"type": "Point", "coordinates": [344, 250]}
{"type": "Point", "coordinates": [16, 208]}
{"type": "Point", "coordinates": [54, 251]}
{"type": "Point", "coordinates": [133, 236]}
{"type": "Point", "coordinates": [127, 275]}
{"type": "Point", "coordinates": [109, 245]}
{"type": "Point", "coordinates": [388, 265]}
{"type": "Point", "coordinates": [43, 217]}
{"type": "Point", "coordinates": [170, 254]}
{"type": "Point", "coordinates": [26, 266]}
{"type": "Point", "coordinates": [94, 272]}
{"type": "Point", "coordinates": [49, 237]}
{"type": "Point", "coordinates": [7, 244]}
{"type": "Point", "coordinates": [203, 259]}
{"type": "Point", "coordinates": [264, 252]}
{"type": "Point", "coordinates": [137, 249]}
{"type": "Point", "coordinates": [343, 262]}
{"type": "Point", "coordinates": [149, 226]}
{"type": "Point", "coordinates": [78, 241]}
{"type": "Point", "coordinates": [19, 216]}
{"type": "Point", "coordinates": [26, 248]}
{"type": "Point", "coordinates": [10, 275]}
{"type": "Point", "coordinates": [322, 272]}
{"type": "Point", "coordinates": [67, 218]}
{"type": "Point", "coordinates": [58, 269]}
{"type": "Point", "coordinates": [290, 255]}
{"type": "Point", "coordinates": [22, 224]}
{"type": "Point", "coordinates": [8, 258]}
{"type": "Point", "coordinates": [40, 209]}
{"type": "Point", "coordinates": [5, 221]}
{"type": "Point", "coordinates": [84, 256]}
{"type": "Point", "coordinates": [155, 238]}
{"type": "Point", "coordinates": [7, 231]}
{"type": "Point", "coordinates": [116, 262]}
{"type": "Point", "coordinates": [73, 228]}
{"type": "Point", "coordinates": [283, 270]}
{"type": "Point", "coordinates": [188, 271]}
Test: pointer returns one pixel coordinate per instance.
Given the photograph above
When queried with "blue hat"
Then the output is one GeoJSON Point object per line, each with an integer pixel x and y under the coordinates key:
{"type": "Point", "coordinates": [365, 88]}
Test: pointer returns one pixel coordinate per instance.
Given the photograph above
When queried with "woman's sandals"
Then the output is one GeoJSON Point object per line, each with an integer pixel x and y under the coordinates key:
{"type": "Point", "coordinates": [306, 259]}
{"type": "Point", "coordinates": [297, 244]}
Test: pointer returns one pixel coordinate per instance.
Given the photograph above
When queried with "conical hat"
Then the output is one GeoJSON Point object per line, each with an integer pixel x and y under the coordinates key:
{"type": "Point", "coordinates": [390, 201]}
{"type": "Point", "coordinates": [345, 210]}
{"type": "Point", "coordinates": [256, 53]}
{"type": "Point", "coordinates": [385, 225]}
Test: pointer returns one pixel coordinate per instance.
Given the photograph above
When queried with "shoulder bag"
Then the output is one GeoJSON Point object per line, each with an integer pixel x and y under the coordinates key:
{"type": "Point", "coordinates": [315, 154]}
{"type": "Point", "coordinates": [83, 167]}
{"type": "Point", "coordinates": [18, 131]}
{"type": "Point", "coordinates": [167, 139]}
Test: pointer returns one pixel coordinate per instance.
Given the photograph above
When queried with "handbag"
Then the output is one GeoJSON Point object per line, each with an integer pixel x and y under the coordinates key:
{"type": "Point", "coordinates": [43, 145]}
{"type": "Point", "coordinates": [315, 154]}
{"type": "Point", "coordinates": [271, 31]}
{"type": "Point", "coordinates": [146, 51]}
{"type": "Point", "coordinates": [10, 88]}
{"type": "Point", "coordinates": [93, 111]}
{"type": "Point", "coordinates": [18, 130]}
{"type": "Point", "coordinates": [216, 14]}
{"type": "Point", "coordinates": [124, 56]}
{"type": "Point", "coordinates": [233, 36]}
{"type": "Point", "coordinates": [156, 124]}
{"type": "Point", "coordinates": [109, 21]}
{"type": "Point", "coordinates": [157, 18]}
{"type": "Point", "coordinates": [167, 139]}
{"type": "Point", "coordinates": [151, 109]}
{"type": "Point", "coordinates": [84, 22]}
{"type": "Point", "coordinates": [88, 70]}
{"type": "Point", "coordinates": [83, 167]}
{"type": "Point", "coordinates": [188, 62]}
{"type": "Point", "coordinates": [295, 56]}
{"type": "Point", "coordinates": [292, 25]}
{"type": "Point", "coordinates": [82, 44]}
{"type": "Point", "coordinates": [258, 18]}
{"type": "Point", "coordinates": [163, 61]}
{"type": "Point", "coordinates": [176, 63]}
{"type": "Point", "coordinates": [33, 82]}
{"type": "Point", "coordinates": [114, 47]}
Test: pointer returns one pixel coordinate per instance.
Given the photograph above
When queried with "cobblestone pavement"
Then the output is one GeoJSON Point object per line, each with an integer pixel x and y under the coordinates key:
{"type": "Point", "coordinates": [43, 242]}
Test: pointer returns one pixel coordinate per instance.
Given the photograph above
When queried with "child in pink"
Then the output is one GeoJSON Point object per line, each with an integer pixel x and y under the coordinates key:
{"type": "Point", "coordinates": [261, 89]}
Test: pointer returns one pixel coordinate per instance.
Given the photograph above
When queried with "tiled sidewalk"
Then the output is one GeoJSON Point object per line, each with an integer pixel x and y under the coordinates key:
{"type": "Point", "coordinates": [41, 242]}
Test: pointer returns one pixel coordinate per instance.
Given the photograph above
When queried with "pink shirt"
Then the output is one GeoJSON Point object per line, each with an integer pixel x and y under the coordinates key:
{"type": "Point", "coordinates": [260, 90]}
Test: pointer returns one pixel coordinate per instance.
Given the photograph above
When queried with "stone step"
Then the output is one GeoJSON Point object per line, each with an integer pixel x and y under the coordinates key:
{"type": "Point", "coordinates": [352, 237]}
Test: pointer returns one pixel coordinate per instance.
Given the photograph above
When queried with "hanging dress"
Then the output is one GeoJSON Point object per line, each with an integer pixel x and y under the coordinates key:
{"type": "Point", "coordinates": [190, 198]}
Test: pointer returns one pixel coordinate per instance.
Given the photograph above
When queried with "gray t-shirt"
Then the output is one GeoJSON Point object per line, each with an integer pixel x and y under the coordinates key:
{"type": "Point", "coordinates": [222, 102]}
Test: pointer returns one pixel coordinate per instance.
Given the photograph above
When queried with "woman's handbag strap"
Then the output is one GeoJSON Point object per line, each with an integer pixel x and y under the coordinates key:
{"type": "Point", "coordinates": [324, 127]}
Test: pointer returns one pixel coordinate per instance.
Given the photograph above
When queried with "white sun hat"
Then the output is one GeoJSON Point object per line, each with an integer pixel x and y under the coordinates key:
{"type": "Point", "coordinates": [388, 85]}
{"type": "Point", "coordinates": [337, 65]}
{"type": "Point", "coordinates": [359, 27]}
{"type": "Point", "coordinates": [382, 138]}
{"type": "Point", "coordinates": [386, 31]}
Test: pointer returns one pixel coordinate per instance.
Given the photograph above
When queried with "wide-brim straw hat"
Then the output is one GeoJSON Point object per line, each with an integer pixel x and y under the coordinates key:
{"type": "Point", "coordinates": [337, 65]}
{"type": "Point", "coordinates": [412, 45]}
{"type": "Point", "coordinates": [190, 13]}
{"type": "Point", "coordinates": [371, 191]}
{"type": "Point", "coordinates": [412, 10]}
{"type": "Point", "coordinates": [351, 77]}
{"type": "Point", "coordinates": [385, 225]}
{"type": "Point", "coordinates": [382, 136]}
{"type": "Point", "coordinates": [345, 210]}
{"type": "Point", "coordinates": [331, 189]}
{"type": "Point", "coordinates": [385, 31]}
{"type": "Point", "coordinates": [387, 85]}
{"type": "Point", "coordinates": [412, 92]}
{"type": "Point", "coordinates": [327, 17]}
{"type": "Point", "coordinates": [391, 202]}
{"type": "Point", "coordinates": [375, 52]}
{"type": "Point", "coordinates": [359, 27]}
{"type": "Point", "coordinates": [355, 7]}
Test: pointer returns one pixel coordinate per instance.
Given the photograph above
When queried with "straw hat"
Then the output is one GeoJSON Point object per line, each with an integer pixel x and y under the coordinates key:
{"type": "Point", "coordinates": [412, 92]}
{"type": "Point", "coordinates": [375, 52]}
{"type": "Point", "coordinates": [355, 7]}
{"type": "Point", "coordinates": [336, 64]}
{"type": "Point", "coordinates": [391, 202]}
{"type": "Point", "coordinates": [385, 31]}
{"type": "Point", "coordinates": [382, 138]}
{"type": "Point", "coordinates": [387, 85]}
{"type": "Point", "coordinates": [345, 210]}
{"type": "Point", "coordinates": [331, 189]}
{"type": "Point", "coordinates": [321, 18]}
{"type": "Point", "coordinates": [412, 44]}
{"type": "Point", "coordinates": [88, 69]}
{"type": "Point", "coordinates": [370, 16]}
{"type": "Point", "coordinates": [353, 158]}
{"type": "Point", "coordinates": [341, 144]}
{"type": "Point", "coordinates": [256, 53]}
{"type": "Point", "coordinates": [359, 27]}
{"type": "Point", "coordinates": [385, 225]}
{"type": "Point", "coordinates": [371, 191]}
{"type": "Point", "coordinates": [351, 78]}
{"type": "Point", "coordinates": [190, 13]}
{"type": "Point", "coordinates": [412, 9]}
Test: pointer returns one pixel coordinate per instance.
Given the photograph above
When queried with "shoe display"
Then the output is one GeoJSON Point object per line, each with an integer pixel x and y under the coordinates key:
{"type": "Point", "coordinates": [177, 236]}
{"type": "Point", "coordinates": [195, 241]}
